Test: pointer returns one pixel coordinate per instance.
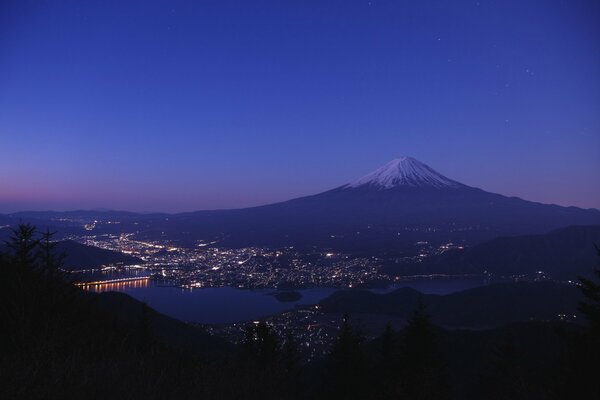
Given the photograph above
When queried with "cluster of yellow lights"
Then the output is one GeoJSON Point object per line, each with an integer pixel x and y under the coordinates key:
{"type": "Point", "coordinates": [115, 285]}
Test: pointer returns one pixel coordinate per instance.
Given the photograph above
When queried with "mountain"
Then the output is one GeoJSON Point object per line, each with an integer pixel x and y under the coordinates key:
{"type": "Point", "coordinates": [177, 334]}
{"type": "Point", "coordinates": [482, 307]}
{"type": "Point", "coordinates": [471, 355]}
{"type": "Point", "coordinates": [404, 171]}
{"type": "Point", "coordinates": [79, 256]}
{"type": "Point", "coordinates": [391, 208]}
{"type": "Point", "coordinates": [562, 254]}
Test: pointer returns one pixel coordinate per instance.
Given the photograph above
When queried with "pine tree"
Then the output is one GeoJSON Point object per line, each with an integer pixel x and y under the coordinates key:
{"type": "Point", "coordinates": [23, 245]}
{"type": "Point", "coordinates": [422, 364]}
{"type": "Point", "coordinates": [289, 354]}
{"type": "Point", "coordinates": [579, 374]}
{"type": "Point", "coordinates": [590, 307]}
{"type": "Point", "coordinates": [290, 361]}
{"type": "Point", "coordinates": [388, 373]}
{"type": "Point", "coordinates": [503, 378]}
{"type": "Point", "coordinates": [21, 281]}
{"type": "Point", "coordinates": [347, 364]}
{"type": "Point", "coordinates": [388, 343]}
{"type": "Point", "coordinates": [260, 345]}
{"type": "Point", "coordinates": [51, 262]}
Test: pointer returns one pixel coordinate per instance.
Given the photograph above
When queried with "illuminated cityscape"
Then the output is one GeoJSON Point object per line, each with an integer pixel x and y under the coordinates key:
{"type": "Point", "coordinates": [254, 267]}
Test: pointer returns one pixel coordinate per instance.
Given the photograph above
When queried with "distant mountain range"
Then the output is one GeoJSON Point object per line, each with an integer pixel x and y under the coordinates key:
{"type": "Point", "coordinates": [402, 202]}
{"type": "Point", "coordinates": [387, 210]}
{"type": "Point", "coordinates": [79, 256]}
{"type": "Point", "coordinates": [482, 307]}
{"type": "Point", "coordinates": [562, 254]}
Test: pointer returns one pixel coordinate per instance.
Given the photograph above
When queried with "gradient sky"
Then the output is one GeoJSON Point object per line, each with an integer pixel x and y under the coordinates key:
{"type": "Point", "coordinates": [173, 106]}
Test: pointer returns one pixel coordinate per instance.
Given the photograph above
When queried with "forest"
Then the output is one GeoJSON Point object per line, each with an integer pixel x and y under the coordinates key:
{"type": "Point", "coordinates": [61, 342]}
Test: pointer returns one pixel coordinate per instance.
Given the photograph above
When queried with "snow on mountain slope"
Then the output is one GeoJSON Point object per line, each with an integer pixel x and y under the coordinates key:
{"type": "Point", "coordinates": [404, 171]}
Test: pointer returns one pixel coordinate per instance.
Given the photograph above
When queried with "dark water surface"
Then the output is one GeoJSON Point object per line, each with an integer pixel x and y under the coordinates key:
{"type": "Point", "coordinates": [226, 304]}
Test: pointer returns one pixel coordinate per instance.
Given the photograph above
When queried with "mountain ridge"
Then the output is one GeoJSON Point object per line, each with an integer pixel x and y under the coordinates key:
{"type": "Point", "coordinates": [405, 202]}
{"type": "Point", "coordinates": [404, 171]}
{"type": "Point", "coordinates": [561, 254]}
{"type": "Point", "coordinates": [481, 307]}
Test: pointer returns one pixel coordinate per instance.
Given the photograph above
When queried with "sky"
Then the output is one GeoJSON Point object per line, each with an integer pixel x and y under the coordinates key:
{"type": "Point", "coordinates": [188, 105]}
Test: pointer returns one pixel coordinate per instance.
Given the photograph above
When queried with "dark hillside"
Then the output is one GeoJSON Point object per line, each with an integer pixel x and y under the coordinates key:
{"type": "Point", "coordinates": [562, 254]}
{"type": "Point", "coordinates": [485, 306]}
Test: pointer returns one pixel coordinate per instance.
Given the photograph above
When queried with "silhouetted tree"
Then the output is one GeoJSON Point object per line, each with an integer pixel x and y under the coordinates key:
{"type": "Point", "coordinates": [503, 378]}
{"type": "Point", "coordinates": [346, 378]}
{"type": "Point", "coordinates": [260, 345]}
{"type": "Point", "coordinates": [590, 307]}
{"type": "Point", "coordinates": [290, 364]}
{"type": "Point", "coordinates": [21, 284]}
{"type": "Point", "coordinates": [50, 261]}
{"type": "Point", "coordinates": [583, 353]}
{"type": "Point", "coordinates": [577, 375]}
{"type": "Point", "coordinates": [289, 354]}
{"type": "Point", "coordinates": [388, 344]}
{"type": "Point", "coordinates": [388, 375]}
{"type": "Point", "coordinates": [422, 364]}
{"type": "Point", "coordinates": [258, 365]}
{"type": "Point", "coordinates": [23, 245]}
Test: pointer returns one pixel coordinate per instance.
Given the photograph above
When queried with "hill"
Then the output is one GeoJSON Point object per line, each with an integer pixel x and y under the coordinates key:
{"type": "Point", "coordinates": [80, 256]}
{"type": "Point", "coordinates": [561, 254]}
{"type": "Point", "coordinates": [178, 335]}
{"type": "Point", "coordinates": [482, 307]}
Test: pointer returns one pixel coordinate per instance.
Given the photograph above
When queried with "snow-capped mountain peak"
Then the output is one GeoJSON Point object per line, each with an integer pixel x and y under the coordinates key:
{"type": "Point", "coordinates": [404, 171]}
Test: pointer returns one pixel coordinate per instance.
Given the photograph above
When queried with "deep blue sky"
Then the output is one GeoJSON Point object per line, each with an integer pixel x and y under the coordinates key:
{"type": "Point", "coordinates": [172, 106]}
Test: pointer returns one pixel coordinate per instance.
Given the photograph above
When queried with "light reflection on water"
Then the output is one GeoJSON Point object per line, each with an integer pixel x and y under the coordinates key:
{"type": "Point", "coordinates": [227, 304]}
{"type": "Point", "coordinates": [137, 283]}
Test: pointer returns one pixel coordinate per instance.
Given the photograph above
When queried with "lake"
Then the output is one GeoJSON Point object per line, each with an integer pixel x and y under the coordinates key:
{"type": "Point", "coordinates": [226, 304]}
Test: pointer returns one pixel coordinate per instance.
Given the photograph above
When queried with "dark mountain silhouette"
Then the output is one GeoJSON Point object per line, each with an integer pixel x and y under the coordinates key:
{"type": "Point", "coordinates": [79, 256]}
{"type": "Point", "coordinates": [389, 209]}
{"type": "Point", "coordinates": [471, 355]}
{"type": "Point", "coordinates": [487, 306]}
{"type": "Point", "coordinates": [561, 254]}
{"type": "Point", "coordinates": [174, 333]}
{"type": "Point", "coordinates": [397, 204]}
